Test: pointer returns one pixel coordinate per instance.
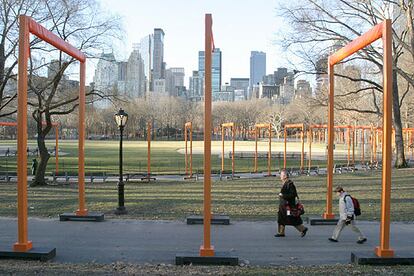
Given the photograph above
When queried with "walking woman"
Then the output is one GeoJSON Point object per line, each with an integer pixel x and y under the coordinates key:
{"type": "Point", "coordinates": [287, 198]}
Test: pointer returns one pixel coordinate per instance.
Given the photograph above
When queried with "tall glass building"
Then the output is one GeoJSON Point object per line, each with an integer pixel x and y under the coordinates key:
{"type": "Point", "coordinates": [151, 49]}
{"type": "Point", "coordinates": [158, 54]}
{"type": "Point", "coordinates": [215, 71]}
{"type": "Point", "coordinates": [257, 68]}
{"type": "Point", "coordinates": [146, 46]}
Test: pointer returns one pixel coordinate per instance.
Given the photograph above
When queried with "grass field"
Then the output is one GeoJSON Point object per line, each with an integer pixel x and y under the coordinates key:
{"type": "Point", "coordinates": [241, 199]}
{"type": "Point", "coordinates": [166, 156]}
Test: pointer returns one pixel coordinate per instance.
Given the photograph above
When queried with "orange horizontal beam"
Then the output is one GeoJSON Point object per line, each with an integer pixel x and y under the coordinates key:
{"type": "Point", "coordinates": [343, 126]}
{"type": "Point", "coordinates": [8, 124]}
{"type": "Point", "coordinates": [46, 35]}
{"type": "Point", "coordinates": [357, 44]}
{"type": "Point", "coordinates": [262, 125]}
{"type": "Point", "coordinates": [227, 125]}
{"type": "Point", "coordinates": [15, 124]}
{"type": "Point", "coordinates": [302, 126]}
{"type": "Point", "coordinates": [318, 126]}
{"type": "Point", "coordinates": [362, 127]}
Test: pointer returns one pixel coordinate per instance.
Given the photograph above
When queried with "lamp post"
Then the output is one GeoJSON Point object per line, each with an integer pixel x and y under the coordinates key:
{"type": "Point", "coordinates": [121, 119]}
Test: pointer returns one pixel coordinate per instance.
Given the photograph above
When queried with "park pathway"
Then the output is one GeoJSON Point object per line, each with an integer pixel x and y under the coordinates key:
{"type": "Point", "coordinates": [156, 242]}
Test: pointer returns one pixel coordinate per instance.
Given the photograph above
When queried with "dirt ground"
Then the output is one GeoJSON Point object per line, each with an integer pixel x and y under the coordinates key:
{"type": "Point", "coordinates": [12, 267]}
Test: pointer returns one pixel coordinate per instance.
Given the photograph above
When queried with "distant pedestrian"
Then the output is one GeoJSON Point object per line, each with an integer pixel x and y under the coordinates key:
{"type": "Point", "coordinates": [346, 216]}
{"type": "Point", "coordinates": [34, 166]}
{"type": "Point", "coordinates": [287, 197]}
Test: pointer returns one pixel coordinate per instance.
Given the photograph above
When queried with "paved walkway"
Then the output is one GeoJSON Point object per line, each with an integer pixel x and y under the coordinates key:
{"type": "Point", "coordinates": [159, 241]}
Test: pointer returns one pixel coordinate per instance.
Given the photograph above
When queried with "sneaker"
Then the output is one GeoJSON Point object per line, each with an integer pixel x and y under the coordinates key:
{"type": "Point", "coordinates": [362, 241]}
{"type": "Point", "coordinates": [333, 240]}
{"type": "Point", "coordinates": [279, 235]}
{"type": "Point", "coordinates": [304, 232]}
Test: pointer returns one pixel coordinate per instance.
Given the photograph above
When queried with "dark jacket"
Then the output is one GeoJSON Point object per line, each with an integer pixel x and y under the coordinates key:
{"type": "Point", "coordinates": [289, 195]}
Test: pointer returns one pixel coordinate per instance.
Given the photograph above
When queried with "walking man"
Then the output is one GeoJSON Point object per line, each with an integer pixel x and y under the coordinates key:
{"type": "Point", "coordinates": [346, 216]}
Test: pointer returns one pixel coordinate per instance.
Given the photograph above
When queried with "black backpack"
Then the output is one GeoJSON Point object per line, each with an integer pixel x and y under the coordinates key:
{"type": "Point", "coordinates": [357, 207]}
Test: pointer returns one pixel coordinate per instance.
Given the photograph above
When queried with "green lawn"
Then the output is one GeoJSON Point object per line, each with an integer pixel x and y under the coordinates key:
{"type": "Point", "coordinates": [241, 199]}
{"type": "Point", "coordinates": [166, 156]}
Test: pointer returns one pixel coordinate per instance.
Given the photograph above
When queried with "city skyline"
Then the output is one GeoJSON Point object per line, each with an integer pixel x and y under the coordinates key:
{"type": "Point", "coordinates": [184, 32]}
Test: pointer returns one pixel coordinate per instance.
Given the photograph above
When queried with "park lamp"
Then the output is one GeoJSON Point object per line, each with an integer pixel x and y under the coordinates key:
{"type": "Point", "coordinates": [121, 118]}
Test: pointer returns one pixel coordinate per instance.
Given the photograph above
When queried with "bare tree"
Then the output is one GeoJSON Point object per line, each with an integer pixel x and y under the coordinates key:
{"type": "Point", "coordinates": [319, 25]}
{"type": "Point", "coordinates": [9, 14]}
{"type": "Point", "coordinates": [83, 25]}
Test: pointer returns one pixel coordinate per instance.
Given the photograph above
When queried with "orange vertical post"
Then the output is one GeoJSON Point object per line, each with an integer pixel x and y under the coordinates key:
{"type": "Point", "coordinates": [222, 148]}
{"type": "Point", "coordinates": [407, 139]}
{"type": "Point", "coordinates": [81, 144]}
{"type": "Point", "coordinates": [188, 128]}
{"type": "Point", "coordinates": [375, 144]}
{"type": "Point", "coordinates": [328, 211]}
{"type": "Point", "coordinates": [149, 125]}
{"type": "Point", "coordinates": [384, 250]}
{"type": "Point", "coordinates": [408, 133]}
{"type": "Point", "coordinates": [411, 144]}
{"type": "Point", "coordinates": [255, 149]}
{"type": "Point", "coordinates": [57, 149]}
{"type": "Point", "coordinates": [269, 158]}
{"type": "Point", "coordinates": [372, 145]}
{"type": "Point", "coordinates": [233, 137]}
{"type": "Point", "coordinates": [349, 144]}
{"type": "Point", "coordinates": [185, 154]}
{"type": "Point", "coordinates": [207, 249]}
{"type": "Point", "coordinates": [363, 146]}
{"type": "Point", "coordinates": [233, 148]}
{"type": "Point", "coordinates": [353, 146]}
{"type": "Point", "coordinates": [22, 244]}
{"type": "Point", "coordinates": [284, 148]}
{"type": "Point", "coordinates": [191, 149]}
{"type": "Point", "coordinates": [310, 149]}
{"type": "Point", "coordinates": [302, 156]}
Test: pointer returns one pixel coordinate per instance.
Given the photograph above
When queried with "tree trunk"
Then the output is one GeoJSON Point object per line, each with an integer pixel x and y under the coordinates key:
{"type": "Point", "coordinates": [399, 141]}
{"type": "Point", "coordinates": [44, 158]}
{"type": "Point", "coordinates": [2, 68]}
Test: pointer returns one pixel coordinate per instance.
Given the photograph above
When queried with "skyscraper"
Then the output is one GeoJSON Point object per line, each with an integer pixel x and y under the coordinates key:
{"type": "Point", "coordinates": [195, 87]}
{"type": "Point", "coordinates": [151, 49]}
{"type": "Point", "coordinates": [257, 68]}
{"type": "Point", "coordinates": [135, 77]}
{"type": "Point", "coordinates": [106, 77]}
{"type": "Point", "coordinates": [174, 78]}
{"type": "Point", "coordinates": [159, 66]}
{"type": "Point", "coordinates": [146, 47]}
{"type": "Point", "coordinates": [215, 71]}
{"type": "Point", "coordinates": [122, 76]}
{"type": "Point", "coordinates": [241, 87]}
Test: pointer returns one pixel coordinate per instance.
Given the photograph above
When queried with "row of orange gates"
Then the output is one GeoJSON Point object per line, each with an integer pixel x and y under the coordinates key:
{"type": "Point", "coordinates": [356, 135]}
{"type": "Point", "coordinates": [207, 251]}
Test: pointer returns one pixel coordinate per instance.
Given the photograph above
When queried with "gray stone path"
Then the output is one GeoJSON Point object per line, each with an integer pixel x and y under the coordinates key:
{"type": "Point", "coordinates": [156, 242]}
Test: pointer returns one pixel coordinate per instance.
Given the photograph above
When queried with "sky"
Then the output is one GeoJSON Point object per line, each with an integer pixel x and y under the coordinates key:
{"type": "Point", "coordinates": [239, 26]}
